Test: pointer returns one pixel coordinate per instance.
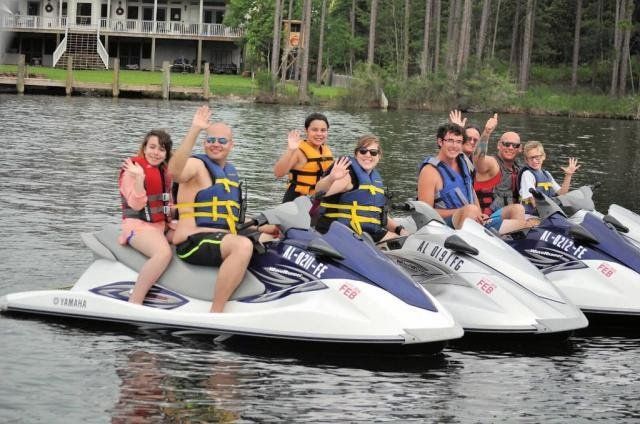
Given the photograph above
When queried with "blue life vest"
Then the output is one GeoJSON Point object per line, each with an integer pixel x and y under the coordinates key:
{"type": "Point", "coordinates": [457, 189]}
{"type": "Point", "coordinates": [544, 184]}
{"type": "Point", "coordinates": [219, 205]}
{"type": "Point", "coordinates": [363, 207]}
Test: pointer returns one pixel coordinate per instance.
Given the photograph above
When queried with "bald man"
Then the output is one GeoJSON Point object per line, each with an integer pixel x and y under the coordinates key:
{"type": "Point", "coordinates": [205, 234]}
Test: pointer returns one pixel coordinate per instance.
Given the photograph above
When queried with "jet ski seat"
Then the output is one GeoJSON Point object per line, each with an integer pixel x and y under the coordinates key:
{"type": "Point", "coordinates": [190, 280]}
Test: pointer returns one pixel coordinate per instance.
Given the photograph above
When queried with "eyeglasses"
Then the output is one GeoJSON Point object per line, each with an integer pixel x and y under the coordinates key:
{"type": "Point", "coordinates": [536, 157]}
{"type": "Point", "coordinates": [452, 141]}
{"type": "Point", "coordinates": [510, 144]}
{"type": "Point", "coordinates": [211, 139]}
{"type": "Point", "coordinates": [364, 151]}
{"type": "Point", "coordinates": [476, 139]}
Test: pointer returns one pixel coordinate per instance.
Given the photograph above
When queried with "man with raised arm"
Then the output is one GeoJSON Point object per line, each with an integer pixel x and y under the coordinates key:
{"type": "Point", "coordinates": [495, 177]}
{"type": "Point", "coordinates": [206, 230]}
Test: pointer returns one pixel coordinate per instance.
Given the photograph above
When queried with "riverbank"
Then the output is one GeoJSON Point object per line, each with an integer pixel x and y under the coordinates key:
{"type": "Point", "coordinates": [540, 99]}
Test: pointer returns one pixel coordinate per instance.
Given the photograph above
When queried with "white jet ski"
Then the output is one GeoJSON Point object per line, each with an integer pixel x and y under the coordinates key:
{"type": "Point", "coordinates": [486, 285]}
{"type": "Point", "coordinates": [335, 288]}
{"type": "Point", "coordinates": [586, 257]}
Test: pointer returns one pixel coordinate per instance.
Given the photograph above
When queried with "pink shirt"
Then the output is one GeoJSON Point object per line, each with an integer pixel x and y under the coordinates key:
{"type": "Point", "coordinates": [132, 226]}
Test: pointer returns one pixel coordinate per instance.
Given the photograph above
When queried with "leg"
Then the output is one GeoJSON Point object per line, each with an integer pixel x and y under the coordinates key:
{"type": "Point", "coordinates": [513, 218]}
{"type": "Point", "coordinates": [154, 245]}
{"type": "Point", "coordinates": [467, 211]}
{"type": "Point", "coordinates": [236, 253]}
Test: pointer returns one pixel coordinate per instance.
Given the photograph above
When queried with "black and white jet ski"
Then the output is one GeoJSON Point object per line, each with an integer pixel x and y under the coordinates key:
{"type": "Point", "coordinates": [335, 288]}
{"type": "Point", "coordinates": [486, 285]}
{"type": "Point", "coordinates": [589, 260]}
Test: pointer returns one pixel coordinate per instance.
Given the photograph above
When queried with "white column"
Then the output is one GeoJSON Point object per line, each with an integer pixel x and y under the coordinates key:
{"type": "Point", "coordinates": [155, 17]}
{"type": "Point", "coordinates": [200, 26]}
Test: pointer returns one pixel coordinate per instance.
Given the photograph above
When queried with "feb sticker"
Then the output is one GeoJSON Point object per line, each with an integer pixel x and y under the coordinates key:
{"type": "Point", "coordinates": [606, 269]}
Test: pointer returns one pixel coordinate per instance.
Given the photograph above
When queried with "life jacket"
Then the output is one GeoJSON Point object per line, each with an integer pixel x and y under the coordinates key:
{"type": "Point", "coordinates": [304, 179]}
{"type": "Point", "coordinates": [219, 205]}
{"type": "Point", "coordinates": [363, 208]}
{"type": "Point", "coordinates": [484, 192]}
{"type": "Point", "coordinates": [157, 186]}
{"type": "Point", "coordinates": [544, 184]}
{"type": "Point", "coordinates": [457, 189]}
{"type": "Point", "coordinates": [504, 190]}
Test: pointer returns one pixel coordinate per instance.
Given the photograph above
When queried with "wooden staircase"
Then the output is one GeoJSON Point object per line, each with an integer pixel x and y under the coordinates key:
{"type": "Point", "coordinates": [83, 48]}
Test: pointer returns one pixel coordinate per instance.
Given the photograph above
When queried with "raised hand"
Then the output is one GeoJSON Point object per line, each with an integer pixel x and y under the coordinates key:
{"type": "Point", "coordinates": [340, 168]}
{"type": "Point", "coordinates": [491, 124]}
{"type": "Point", "coordinates": [293, 139]}
{"type": "Point", "coordinates": [572, 166]}
{"type": "Point", "coordinates": [132, 168]}
{"type": "Point", "coordinates": [455, 117]}
{"type": "Point", "coordinates": [201, 118]}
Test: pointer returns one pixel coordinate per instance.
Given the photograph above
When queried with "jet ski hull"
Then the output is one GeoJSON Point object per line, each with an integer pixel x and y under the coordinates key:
{"type": "Point", "coordinates": [494, 291]}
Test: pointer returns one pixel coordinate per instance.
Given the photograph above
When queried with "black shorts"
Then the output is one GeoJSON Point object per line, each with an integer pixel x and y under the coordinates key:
{"type": "Point", "coordinates": [202, 249]}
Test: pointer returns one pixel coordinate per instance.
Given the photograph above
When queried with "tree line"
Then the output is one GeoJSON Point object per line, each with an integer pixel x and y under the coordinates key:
{"type": "Point", "coordinates": [598, 40]}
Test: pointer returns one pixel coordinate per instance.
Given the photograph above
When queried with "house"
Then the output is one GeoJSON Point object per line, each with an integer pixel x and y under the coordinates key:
{"type": "Point", "coordinates": [141, 33]}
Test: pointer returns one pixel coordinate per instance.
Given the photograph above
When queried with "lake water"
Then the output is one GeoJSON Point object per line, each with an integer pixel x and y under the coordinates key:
{"type": "Point", "coordinates": [59, 165]}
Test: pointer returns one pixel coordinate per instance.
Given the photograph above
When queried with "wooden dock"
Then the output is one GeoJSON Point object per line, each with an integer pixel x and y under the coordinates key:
{"type": "Point", "coordinates": [165, 90]}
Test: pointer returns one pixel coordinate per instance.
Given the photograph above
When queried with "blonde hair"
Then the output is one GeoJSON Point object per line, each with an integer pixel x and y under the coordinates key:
{"type": "Point", "coordinates": [530, 145]}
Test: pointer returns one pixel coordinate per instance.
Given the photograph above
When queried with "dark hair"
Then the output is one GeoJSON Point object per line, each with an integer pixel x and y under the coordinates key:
{"type": "Point", "coordinates": [451, 128]}
{"type": "Point", "coordinates": [315, 117]}
{"type": "Point", "coordinates": [164, 139]}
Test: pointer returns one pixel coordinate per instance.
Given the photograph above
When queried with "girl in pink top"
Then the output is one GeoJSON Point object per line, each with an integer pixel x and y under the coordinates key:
{"type": "Point", "coordinates": [145, 188]}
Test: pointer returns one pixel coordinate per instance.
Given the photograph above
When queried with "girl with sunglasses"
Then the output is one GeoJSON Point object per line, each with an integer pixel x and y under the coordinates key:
{"type": "Point", "coordinates": [305, 160]}
{"type": "Point", "coordinates": [355, 194]}
{"type": "Point", "coordinates": [145, 187]}
{"type": "Point", "coordinates": [533, 175]}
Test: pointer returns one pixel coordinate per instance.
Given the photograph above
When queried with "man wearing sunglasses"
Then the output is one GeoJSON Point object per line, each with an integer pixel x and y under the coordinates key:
{"type": "Point", "coordinates": [205, 234]}
{"type": "Point", "coordinates": [495, 178]}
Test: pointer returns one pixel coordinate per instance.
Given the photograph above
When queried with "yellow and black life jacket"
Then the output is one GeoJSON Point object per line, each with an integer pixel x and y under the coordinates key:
{"type": "Point", "coordinates": [318, 161]}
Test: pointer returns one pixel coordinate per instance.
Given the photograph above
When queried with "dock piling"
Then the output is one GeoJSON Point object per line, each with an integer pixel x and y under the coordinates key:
{"type": "Point", "coordinates": [22, 72]}
{"type": "Point", "coordinates": [166, 80]}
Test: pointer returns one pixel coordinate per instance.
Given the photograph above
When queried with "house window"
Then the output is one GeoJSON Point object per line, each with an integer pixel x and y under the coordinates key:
{"type": "Point", "coordinates": [132, 12]}
{"type": "Point", "coordinates": [161, 14]}
{"type": "Point", "coordinates": [147, 13]}
{"type": "Point", "coordinates": [103, 11]}
{"type": "Point", "coordinates": [219, 17]}
{"type": "Point", "coordinates": [33, 8]}
{"type": "Point", "coordinates": [176, 13]}
{"type": "Point", "coordinates": [83, 14]}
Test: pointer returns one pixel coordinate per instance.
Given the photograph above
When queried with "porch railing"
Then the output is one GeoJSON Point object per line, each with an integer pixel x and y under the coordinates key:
{"type": "Point", "coordinates": [113, 25]}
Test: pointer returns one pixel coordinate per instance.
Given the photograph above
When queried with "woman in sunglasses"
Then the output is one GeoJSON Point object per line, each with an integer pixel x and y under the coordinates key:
{"type": "Point", "coordinates": [305, 160]}
{"type": "Point", "coordinates": [145, 190]}
{"type": "Point", "coordinates": [355, 194]}
{"type": "Point", "coordinates": [533, 175]}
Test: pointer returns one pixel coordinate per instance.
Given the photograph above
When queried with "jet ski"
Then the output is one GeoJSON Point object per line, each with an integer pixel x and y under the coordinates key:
{"type": "Point", "coordinates": [587, 258]}
{"type": "Point", "coordinates": [576, 203]}
{"type": "Point", "coordinates": [335, 288]}
{"type": "Point", "coordinates": [486, 285]}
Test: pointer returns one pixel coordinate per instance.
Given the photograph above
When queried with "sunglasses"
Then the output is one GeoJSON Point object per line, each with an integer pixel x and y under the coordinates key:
{"type": "Point", "coordinates": [211, 139]}
{"type": "Point", "coordinates": [364, 151]}
{"type": "Point", "coordinates": [510, 144]}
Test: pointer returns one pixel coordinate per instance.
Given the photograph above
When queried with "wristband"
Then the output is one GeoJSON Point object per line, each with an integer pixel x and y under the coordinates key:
{"type": "Point", "coordinates": [398, 229]}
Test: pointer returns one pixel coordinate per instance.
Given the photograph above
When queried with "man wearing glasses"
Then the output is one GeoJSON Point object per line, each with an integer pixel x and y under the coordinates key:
{"type": "Point", "coordinates": [445, 181]}
{"type": "Point", "coordinates": [206, 230]}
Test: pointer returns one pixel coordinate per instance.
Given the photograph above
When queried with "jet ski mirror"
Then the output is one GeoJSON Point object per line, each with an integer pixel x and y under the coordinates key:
{"type": "Point", "coordinates": [455, 243]}
{"type": "Point", "coordinates": [421, 213]}
{"type": "Point", "coordinates": [616, 224]}
{"type": "Point", "coordinates": [582, 235]}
